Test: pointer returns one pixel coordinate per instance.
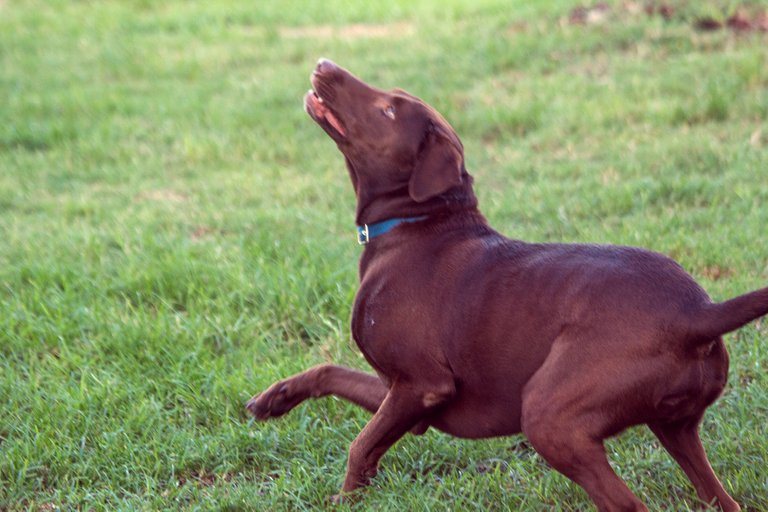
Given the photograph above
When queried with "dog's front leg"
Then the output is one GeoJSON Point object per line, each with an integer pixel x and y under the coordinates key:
{"type": "Point", "coordinates": [363, 389]}
{"type": "Point", "coordinates": [402, 409]}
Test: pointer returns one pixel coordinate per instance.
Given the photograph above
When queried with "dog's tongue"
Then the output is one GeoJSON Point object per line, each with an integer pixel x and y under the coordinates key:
{"type": "Point", "coordinates": [324, 112]}
{"type": "Point", "coordinates": [333, 121]}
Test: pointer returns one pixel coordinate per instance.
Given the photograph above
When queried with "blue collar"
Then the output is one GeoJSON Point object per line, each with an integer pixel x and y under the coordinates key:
{"type": "Point", "coordinates": [366, 232]}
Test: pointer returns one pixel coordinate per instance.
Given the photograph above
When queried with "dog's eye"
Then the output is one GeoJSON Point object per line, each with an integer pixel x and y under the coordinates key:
{"type": "Point", "coordinates": [389, 112]}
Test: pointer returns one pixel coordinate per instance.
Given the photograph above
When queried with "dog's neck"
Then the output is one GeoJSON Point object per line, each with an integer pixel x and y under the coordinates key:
{"type": "Point", "coordinates": [398, 203]}
{"type": "Point", "coordinates": [461, 222]}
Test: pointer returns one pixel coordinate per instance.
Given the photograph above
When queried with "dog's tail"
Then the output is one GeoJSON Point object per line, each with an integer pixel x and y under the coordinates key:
{"type": "Point", "coordinates": [714, 320]}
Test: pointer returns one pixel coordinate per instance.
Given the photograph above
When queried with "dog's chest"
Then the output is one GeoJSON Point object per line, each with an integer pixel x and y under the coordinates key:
{"type": "Point", "coordinates": [389, 320]}
{"type": "Point", "coordinates": [382, 306]}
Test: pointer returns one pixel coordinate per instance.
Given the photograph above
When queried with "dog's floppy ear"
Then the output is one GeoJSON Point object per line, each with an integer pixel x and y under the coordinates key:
{"type": "Point", "coordinates": [439, 164]}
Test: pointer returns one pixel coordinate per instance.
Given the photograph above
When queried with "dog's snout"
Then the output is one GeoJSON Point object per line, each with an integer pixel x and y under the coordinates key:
{"type": "Point", "coordinates": [325, 66]}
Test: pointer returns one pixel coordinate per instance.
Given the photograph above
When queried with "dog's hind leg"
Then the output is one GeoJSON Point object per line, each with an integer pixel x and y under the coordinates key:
{"type": "Point", "coordinates": [567, 412]}
{"type": "Point", "coordinates": [681, 439]}
{"type": "Point", "coordinates": [363, 389]}
{"type": "Point", "coordinates": [582, 458]}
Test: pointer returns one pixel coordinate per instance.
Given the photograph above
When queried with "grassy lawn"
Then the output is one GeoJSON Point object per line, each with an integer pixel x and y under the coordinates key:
{"type": "Point", "coordinates": [176, 234]}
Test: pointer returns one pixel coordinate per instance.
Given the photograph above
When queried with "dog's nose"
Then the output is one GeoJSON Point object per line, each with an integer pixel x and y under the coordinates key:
{"type": "Point", "coordinates": [324, 65]}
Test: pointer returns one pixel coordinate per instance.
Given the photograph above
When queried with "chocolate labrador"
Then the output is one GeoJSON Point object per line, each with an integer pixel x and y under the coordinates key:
{"type": "Point", "coordinates": [479, 335]}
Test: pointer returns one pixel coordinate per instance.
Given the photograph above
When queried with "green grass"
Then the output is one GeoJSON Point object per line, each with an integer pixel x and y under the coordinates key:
{"type": "Point", "coordinates": [176, 234]}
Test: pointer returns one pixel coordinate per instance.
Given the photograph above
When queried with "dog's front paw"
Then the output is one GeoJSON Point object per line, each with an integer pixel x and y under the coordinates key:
{"type": "Point", "coordinates": [346, 498]}
{"type": "Point", "coordinates": [274, 402]}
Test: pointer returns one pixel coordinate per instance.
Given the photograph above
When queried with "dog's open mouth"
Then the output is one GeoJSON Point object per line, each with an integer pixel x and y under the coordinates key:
{"type": "Point", "coordinates": [320, 112]}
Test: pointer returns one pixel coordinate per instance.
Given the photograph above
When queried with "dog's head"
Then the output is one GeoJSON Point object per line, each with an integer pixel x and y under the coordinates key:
{"type": "Point", "coordinates": [400, 152]}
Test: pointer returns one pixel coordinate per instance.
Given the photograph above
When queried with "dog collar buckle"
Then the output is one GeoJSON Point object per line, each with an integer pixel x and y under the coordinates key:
{"type": "Point", "coordinates": [363, 235]}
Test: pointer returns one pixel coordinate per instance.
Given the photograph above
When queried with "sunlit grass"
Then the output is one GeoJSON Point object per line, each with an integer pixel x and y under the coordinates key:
{"type": "Point", "coordinates": [175, 234]}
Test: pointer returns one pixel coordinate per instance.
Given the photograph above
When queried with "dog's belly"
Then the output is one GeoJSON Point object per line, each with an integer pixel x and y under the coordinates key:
{"type": "Point", "coordinates": [490, 373]}
{"type": "Point", "coordinates": [472, 416]}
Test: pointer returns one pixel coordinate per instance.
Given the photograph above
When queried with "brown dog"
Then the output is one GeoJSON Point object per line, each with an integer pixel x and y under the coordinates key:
{"type": "Point", "coordinates": [478, 335]}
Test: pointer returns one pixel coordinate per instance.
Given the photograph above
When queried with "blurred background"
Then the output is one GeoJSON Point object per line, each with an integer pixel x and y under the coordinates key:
{"type": "Point", "coordinates": [176, 234]}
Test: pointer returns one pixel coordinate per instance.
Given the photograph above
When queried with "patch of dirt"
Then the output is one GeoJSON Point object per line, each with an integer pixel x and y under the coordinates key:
{"type": "Point", "coordinates": [662, 9]}
{"type": "Point", "coordinates": [519, 27]}
{"type": "Point", "coordinates": [203, 478]}
{"type": "Point", "coordinates": [609, 176]}
{"type": "Point", "coordinates": [349, 32]}
{"type": "Point", "coordinates": [163, 195]}
{"type": "Point", "coordinates": [202, 232]}
{"type": "Point", "coordinates": [744, 18]}
{"type": "Point", "coordinates": [593, 15]}
{"type": "Point", "coordinates": [716, 272]}
{"type": "Point", "coordinates": [52, 352]}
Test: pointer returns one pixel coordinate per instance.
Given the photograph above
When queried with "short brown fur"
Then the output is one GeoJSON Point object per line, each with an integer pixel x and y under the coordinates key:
{"type": "Point", "coordinates": [478, 335]}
